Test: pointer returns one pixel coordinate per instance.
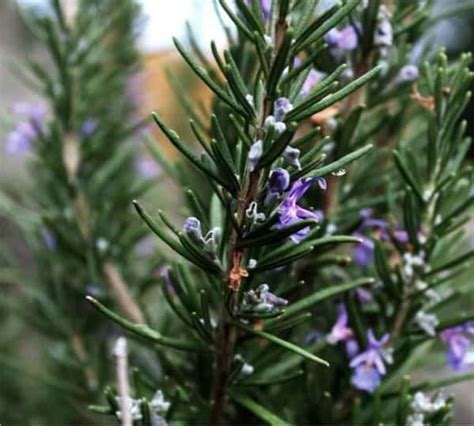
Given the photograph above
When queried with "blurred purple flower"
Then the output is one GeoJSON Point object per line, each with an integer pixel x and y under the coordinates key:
{"type": "Point", "coordinates": [34, 112]}
{"type": "Point", "coordinates": [88, 127]}
{"type": "Point", "coordinates": [147, 168]}
{"type": "Point", "coordinates": [458, 344]}
{"type": "Point", "coordinates": [20, 140]}
{"type": "Point", "coordinates": [342, 40]}
{"type": "Point", "coordinates": [313, 78]}
{"type": "Point", "coordinates": [369, 366]}
{"type": "Point", "coordinates": [364, 295]}
{"type": "Point", "coordinates": [291, 213]}
{"type": "Point", "coordinates": [400, 236]}
{"type": "Point", "coordinates": [340, 332]}
{"type": "Point", "coordinates": [364, 252]}
{"type": "Point", "coordinates": [366, 378]}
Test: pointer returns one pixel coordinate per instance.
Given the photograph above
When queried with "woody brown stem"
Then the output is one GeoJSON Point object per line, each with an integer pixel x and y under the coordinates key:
{"type": "Point", "coordinates": [121, 294]}
{"type": "Point", "coordinates": [399, 321]}
{"type": "Point", "coordinates": [227, 333]}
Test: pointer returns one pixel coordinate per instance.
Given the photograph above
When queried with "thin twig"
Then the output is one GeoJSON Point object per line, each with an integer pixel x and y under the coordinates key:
{"type": "Point", "coordinates": [121, 294]}
{"type": "Point", "coordinates": [121, 365]}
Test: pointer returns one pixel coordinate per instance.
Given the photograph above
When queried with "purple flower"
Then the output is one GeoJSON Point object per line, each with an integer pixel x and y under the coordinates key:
{"type": "Point", "coordinates": [281, 107]}
{"type": "Point", "coordinates": [458, 344]}
{"type": "Point", "coordinates": [34, 112]}
{"type": "Point", "coordinates": [366, 378]}
{"type": "Point", "coordinates": [364, 295]}
{"type": "Point", "coordinates": [400, 236]}
{"type": "Point", "coordinates": [88, 127]}
{"type": "Point", "coordinates": [292, 157]}
{"type": "Point", "coordinates": [369, 366]}
{"type": "Point", "coordinates": [407, 74]}
{"type": "Point", "coordinates": [291, 213]}
{"type": "Point", "coordinates": [345, 39]}
{"type": "Point", "coordinates": [313, 78]}
{"type": "Point", "coordinates": [279, 180]}
{"type": "Point", "coordinates": [364, 251]}
{"type": "Point", "coordinates": [266, 6]}
{"type": "Point", "coordinates": [192, 227]}
{"type": "Point", "coordinates": [340, 331]}
{"type": "Point", "coordinates": [146, 167]}
{"type": "Point", "coordinates": [20, 140]}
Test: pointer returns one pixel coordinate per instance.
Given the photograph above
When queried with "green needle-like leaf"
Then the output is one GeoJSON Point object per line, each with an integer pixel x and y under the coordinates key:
{"type": "Point", "coordinates": [145, 332]}
{"type": "Point", "coordinates": [275, 236]}
{"type": "Point", "coordinates": [174, 139]}
{"type": "Point", "coordinates": [342, 162]}
{"type": "Point", "coordinates": [310, 301]}
{"type": "Point", "coordinates": [284, 344]}
{"type": "Point", "coordinates": [260, 411]}
{"type": "Point", "coordinates": [201, 73]}
{"type": "Point", "coordinates": [337, 96]}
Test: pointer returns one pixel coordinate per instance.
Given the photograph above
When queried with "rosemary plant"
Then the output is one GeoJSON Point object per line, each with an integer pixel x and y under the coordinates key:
{"type": "Point", "coordinates": [323, 254]}
{"type": "Point", "coordinates": [75, 213]}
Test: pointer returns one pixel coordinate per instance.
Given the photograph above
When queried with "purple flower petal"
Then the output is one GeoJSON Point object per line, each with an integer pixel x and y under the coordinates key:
{"type": "Point", "coordinates": [364, 252]}
{"type": "Point", "coordinates": [345, 39]}
{"type": "Point", "coordinates": [88, 127]}
{"type": "Point", "coordinates": [366, 378]}
{"type": "Point", "coordinates": [313, 78]}
{"type": "Point", "coordinates": [370, 365]}
{"type": "Point", "coordinates": [291, 213]}
{"type": "Point", "coordinates": [458, 345]}
{"type": "Point", "coordinates": [340, 331]}
{"type": "Point", "coordinates": [147, 167]}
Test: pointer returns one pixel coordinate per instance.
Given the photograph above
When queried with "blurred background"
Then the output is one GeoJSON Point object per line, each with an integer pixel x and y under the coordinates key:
{"type": "Point", "coordinates": [156, 27]}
